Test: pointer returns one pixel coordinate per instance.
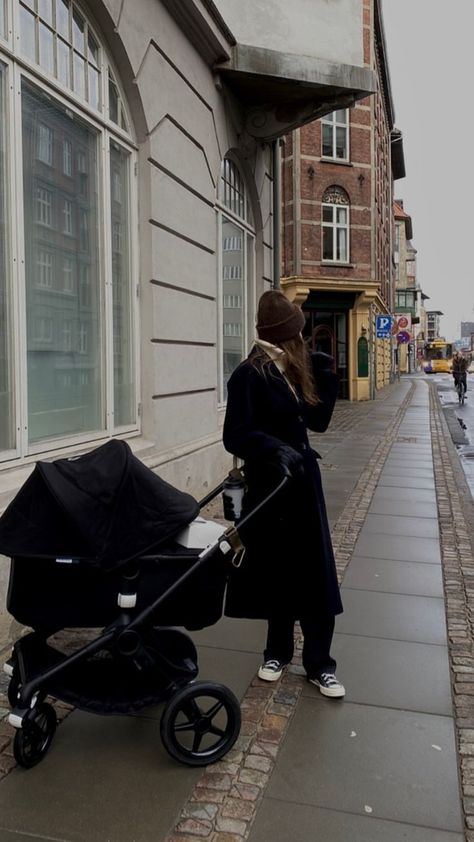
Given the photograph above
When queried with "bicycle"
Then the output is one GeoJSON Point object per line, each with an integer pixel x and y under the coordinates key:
{"type": "Point", "coordinates": [461, 390]}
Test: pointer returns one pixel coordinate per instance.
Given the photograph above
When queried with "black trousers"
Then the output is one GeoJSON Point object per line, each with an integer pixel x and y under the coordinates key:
{"type": "Point", "coordinates": [317, 633]}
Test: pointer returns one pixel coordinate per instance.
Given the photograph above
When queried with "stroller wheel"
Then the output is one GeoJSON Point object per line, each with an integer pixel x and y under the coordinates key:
{"type": "Point", "coordinates": [34, 738]}
{"type": "Point", "coordinates": [200, 723]}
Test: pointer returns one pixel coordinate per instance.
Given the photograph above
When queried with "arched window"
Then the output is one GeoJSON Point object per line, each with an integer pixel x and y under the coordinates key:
{"type": "Point", "coordinates": [237, 271]}
{"type": "Point", "coordinates": [335, 225]}
{"type": "Point", "coordinates": [67, 298]}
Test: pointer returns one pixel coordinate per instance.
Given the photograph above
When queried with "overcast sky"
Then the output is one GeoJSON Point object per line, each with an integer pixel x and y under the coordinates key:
{"type": "Point", "coordinates": [431, 60]}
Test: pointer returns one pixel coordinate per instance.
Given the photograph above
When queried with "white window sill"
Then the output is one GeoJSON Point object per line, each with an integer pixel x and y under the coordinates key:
{"type": "Point", "coordinates": [326, 160]}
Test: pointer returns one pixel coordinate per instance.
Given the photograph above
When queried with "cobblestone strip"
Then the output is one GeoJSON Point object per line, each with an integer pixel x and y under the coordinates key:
{"type": "Point", "coordinates": [224, 802]}
{"type": "Point", "coordinates": [458, 574]}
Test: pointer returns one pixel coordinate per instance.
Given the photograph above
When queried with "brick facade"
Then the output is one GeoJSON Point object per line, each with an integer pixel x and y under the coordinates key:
{"type": "Point", "coordinates": [367, 180]}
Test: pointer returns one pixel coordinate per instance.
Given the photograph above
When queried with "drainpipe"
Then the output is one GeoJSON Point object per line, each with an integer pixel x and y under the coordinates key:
{"type": "Point", "coordinates": [276, 166]}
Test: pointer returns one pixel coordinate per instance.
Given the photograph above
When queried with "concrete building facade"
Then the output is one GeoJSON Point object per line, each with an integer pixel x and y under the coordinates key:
{"type": "Point", "coordinates": [338, 225]}
{"type": "Point", "coordinates": [137, 224]}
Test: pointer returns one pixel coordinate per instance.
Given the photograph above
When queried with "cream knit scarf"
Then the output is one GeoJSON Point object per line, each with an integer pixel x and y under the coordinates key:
{"type": "Point", "coordinates": [277, 355]}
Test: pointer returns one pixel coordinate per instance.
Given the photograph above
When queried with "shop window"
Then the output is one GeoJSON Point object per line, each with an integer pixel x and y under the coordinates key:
{"type": "Point", "coordinates": [71, 185]}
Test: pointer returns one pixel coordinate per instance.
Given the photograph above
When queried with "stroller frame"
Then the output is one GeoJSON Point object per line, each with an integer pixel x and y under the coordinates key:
{"type": "Point", "coordinates": [35, 720]}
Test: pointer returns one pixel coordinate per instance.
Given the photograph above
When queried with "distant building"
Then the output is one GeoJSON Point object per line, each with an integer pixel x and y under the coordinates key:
{"type": "Point", "coordinates": [467, 330]}
{"type": "Point", "coordinates": [338, 177]}
{"type": "Point", "coordinates": [409, 297]}
{"type": "Point", "coordinates": [433, 325]}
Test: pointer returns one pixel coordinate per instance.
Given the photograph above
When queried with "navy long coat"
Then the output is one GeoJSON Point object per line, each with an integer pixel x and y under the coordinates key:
{"type": "Point", "coordinates": [288, 567]}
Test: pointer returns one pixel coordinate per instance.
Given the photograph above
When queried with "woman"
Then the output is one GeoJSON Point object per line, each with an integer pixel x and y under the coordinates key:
{"type": "Point", "coordinates": [288, 571]}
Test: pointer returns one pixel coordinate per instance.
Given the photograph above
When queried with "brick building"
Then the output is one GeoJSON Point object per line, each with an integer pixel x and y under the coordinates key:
{"type": "Point", "coordinates": [338, 175]}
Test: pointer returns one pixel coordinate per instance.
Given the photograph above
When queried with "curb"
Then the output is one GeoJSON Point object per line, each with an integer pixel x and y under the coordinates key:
{"type": "Point", "coordinates": [455, 512]}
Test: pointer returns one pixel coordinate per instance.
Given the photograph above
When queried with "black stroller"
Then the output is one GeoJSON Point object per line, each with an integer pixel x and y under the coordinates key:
{"type": "Point", "coordinates": [100, 541]}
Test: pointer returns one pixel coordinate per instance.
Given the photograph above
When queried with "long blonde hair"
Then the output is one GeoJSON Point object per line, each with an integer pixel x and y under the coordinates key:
{"type": "Point", "coordinates": [298, 370]}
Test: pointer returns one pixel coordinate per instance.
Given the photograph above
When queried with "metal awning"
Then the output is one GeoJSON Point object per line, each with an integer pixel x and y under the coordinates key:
{"type": "Point", "coordinates": [281, 91]}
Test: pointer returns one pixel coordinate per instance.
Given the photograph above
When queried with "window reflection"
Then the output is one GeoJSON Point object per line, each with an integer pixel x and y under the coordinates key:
{"type": "Point", "coordinates": [63, 325]}
{"type": "Point", "coordinates": [7, 426]}
{"type": "Point", "coordinates": [124, 392]}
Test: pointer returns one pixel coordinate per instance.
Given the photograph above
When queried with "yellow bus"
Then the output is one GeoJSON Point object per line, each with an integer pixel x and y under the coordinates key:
{"type": "Point", "coordinates": [438, 356]}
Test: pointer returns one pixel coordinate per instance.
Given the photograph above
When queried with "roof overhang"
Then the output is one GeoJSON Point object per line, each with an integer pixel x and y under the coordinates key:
{"type": "Point", "coordinates": [282, 91]}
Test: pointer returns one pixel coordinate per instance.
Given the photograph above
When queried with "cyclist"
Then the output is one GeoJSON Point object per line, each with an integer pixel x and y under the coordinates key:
{"type": "Point", "coordinates": [459, 370]}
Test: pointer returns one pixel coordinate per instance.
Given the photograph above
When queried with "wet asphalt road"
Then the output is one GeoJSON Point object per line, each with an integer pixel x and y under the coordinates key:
{"type": "Point", "coordinates": [463, 435]}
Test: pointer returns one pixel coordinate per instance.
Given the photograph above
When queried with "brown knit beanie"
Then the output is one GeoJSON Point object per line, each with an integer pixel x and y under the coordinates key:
{"type": "Point", "coordinates": [277, 318]}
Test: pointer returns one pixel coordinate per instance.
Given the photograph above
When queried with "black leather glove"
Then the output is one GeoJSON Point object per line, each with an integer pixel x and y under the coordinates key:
{"type": "Point", "coordinates": [289, 460]}
{"type": "Point", "coordinates": [322, 362]}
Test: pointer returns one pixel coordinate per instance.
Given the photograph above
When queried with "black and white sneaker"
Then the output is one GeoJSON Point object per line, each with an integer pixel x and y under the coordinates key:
{"type": "Point", "coordinates": [271, 670]}
{"type": "Point", "coordinates": [328, 685]}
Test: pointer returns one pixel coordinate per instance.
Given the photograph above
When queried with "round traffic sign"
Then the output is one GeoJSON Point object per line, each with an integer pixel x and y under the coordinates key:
{"type": "Point", "coordinates": [403, 337]}
{"type": "Point", "coordinates": [403, 322]}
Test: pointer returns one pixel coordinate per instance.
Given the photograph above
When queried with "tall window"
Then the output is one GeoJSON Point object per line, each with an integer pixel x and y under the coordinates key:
{"type": "Point", "coordinates": [45, 144]}
{"type": "Point", "coordinates": [236, 282]}
{"type": "Point", "coordinates": [8, 413]}
{"type": "Point", "coordinates": [335, 225]}
{"type": "Point", "coordinates": [71, 186]}
{"type": "Point", "coordinates": [335, 135]}
{"type": "Point", "coordinates": [67, 157]}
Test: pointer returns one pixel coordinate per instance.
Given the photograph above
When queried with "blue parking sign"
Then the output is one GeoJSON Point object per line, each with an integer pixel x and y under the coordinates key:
{"type": "Point", "coordinates": [383, 327]}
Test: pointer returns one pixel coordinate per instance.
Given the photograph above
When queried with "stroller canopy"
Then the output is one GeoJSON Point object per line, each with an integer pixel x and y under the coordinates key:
{"type": "Point", "coordinates": [105, 506]}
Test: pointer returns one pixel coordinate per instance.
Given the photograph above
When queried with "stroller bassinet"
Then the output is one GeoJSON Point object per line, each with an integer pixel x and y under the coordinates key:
{"type": "Point", "coordinates": [93, 542]}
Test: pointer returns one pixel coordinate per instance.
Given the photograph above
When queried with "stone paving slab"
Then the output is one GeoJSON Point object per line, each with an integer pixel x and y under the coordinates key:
{"type": "Point", "coordinates": [410, 495]}
{"type": "Point", "coordinates": [393, 616]}
{"type": "Point", "coordinates": [404, 507]}
{"type": "Point", "coordinates": [392, 674]}
{"type": "Point", "coordinates": [281, 821]}
{"type": "Point", "coordinates": [234, 635]}
{"type": "Point", "coordinates": [406, 482]}
{"type": "Point", "coordinates": [362, 737]}
{"type": "Point", "coordinates": [392, 547]}
{"type": "Point", "coordinates": [394, 469]}
{"type": "Point", "coordinates": [401, 577]}
{"type": "Point", "coordinates": [403, 454]}
{"type": "Point", "coordinates": [401, 526]}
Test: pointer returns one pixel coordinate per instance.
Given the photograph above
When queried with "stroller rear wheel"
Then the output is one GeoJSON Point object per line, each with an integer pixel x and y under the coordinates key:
{"type": "Point", "coordinates": [200, 723]}
{"type": "Point", "coordinates": [34, 738]}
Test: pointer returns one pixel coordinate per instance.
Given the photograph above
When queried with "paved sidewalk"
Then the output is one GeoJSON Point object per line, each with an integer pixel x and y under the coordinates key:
{"type": "Point", "coordinates": [382, 764]}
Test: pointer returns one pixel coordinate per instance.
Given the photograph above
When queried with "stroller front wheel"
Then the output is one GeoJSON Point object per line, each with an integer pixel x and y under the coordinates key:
{"type": "Point", "coordinates": [200, 723]}
{"type": "Point", "coordinates": [34, 738]}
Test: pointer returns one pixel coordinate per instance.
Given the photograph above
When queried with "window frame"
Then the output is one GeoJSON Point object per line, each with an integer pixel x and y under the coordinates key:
{"type": "Point", "coordinates": [104, 64]}
{"type": "Point", "coordinates": [16, 70]}
{"type": "Point", "coordinates": [247, 230]}
{"type": "Point", "coordinates": [335, 226]}
{"type": "Point", "coordinates": [334, 126]}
